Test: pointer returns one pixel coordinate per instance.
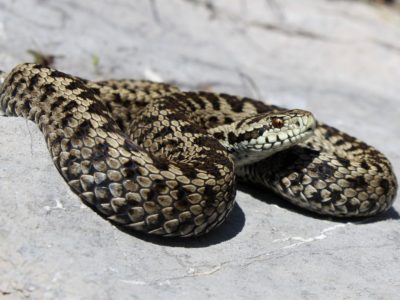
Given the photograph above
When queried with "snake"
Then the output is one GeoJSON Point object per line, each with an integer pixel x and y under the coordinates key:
{"type": "Point", "coordinates": [152, 158]}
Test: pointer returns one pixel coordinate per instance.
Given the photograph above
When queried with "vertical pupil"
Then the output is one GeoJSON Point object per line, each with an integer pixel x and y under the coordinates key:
{"type": "Point", "coordinates": [277, 122]}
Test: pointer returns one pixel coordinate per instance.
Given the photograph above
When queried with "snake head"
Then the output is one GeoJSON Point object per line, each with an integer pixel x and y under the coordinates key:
{"type": "Point", "coordinates": [257, 137]}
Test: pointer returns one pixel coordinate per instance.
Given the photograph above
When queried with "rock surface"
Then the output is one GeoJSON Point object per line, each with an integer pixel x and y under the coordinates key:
{"type": "Point", "coordinates": [339, 59]}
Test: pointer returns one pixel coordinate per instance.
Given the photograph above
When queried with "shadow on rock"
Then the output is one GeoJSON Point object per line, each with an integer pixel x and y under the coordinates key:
{"type": "Point", "coordinates": [228, 230]}
{"type": "Point", "coordinates": [390, 214]}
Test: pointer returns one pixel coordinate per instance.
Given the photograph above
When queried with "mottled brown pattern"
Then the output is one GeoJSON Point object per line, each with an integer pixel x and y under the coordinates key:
{"type": "Point", "coordinates": [152, 158]}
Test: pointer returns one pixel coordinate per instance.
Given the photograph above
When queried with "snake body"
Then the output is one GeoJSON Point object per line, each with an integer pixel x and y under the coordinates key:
{"type": "Point", "coordinates": [150, 157]}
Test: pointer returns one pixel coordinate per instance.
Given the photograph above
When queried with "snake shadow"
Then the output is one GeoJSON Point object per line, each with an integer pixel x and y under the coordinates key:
{"type": "Point", "coordinates": [269, 197]}
{"type": "Point", "coordinates": [232, 226]}
{"type": "Point", "coordinates": [295, 157]}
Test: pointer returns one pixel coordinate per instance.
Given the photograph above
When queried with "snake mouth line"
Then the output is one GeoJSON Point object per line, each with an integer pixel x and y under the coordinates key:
{"type": "Point", "coordinates": [297, 131]}
{"type": "Point", "coordinates": [289, 141]}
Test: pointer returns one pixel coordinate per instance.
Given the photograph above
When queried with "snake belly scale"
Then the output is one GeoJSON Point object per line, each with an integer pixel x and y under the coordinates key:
{"type": "Point", "coordinates": [152, 158]}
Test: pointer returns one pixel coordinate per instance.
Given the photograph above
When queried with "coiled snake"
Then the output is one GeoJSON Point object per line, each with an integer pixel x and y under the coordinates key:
{"type": "Point", "coordinates": [150, 157]}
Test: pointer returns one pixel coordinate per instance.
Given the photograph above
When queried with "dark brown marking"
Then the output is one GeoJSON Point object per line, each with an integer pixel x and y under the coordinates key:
{"type": "Point", "coordinates": [161, 163]}
{"type": "Point", "coordinates": [335, 196]}
{"type": "Point", "coordinates": [57, 140]}
{"type": "Point", "coordinates": [130, 169]}
{"type": "Point", "coordinates": [49, 89]}
{"type": "Point", "coordinates": [365, 165]}
{"type": "Point", "coordinates": [178, 102]}
{"type": "Point", "coordinates": [151, 196]}
{"type": "Point", "coordinates": [198, 101]}
{"type": "Point", "coordinates": [120, 124]}
{"type": "Point", "coordinates": [357, 182]}
{"type": "Point", "coordinates": [187, 101]}
{"type": "Point", "coordinates": [234, 102]}
{"type": "Point", "coordinates": [232, 138]}
{"type": "Point", "coordinates": [21, 81]}
{"type": "Point", "coordinates": [109, 126]}
{"type": "Point", "coordinates": [384, 183]}
{"type": "Point", "coordinates": [211, 143]}
{"type": "Point", "coordinates": [100, 151]}
{"type": "Point", "coordinates": [117, 98]}
{"type": "Point", "coordinates": [228, 120]}
{"type": "Point", "coordinates": [219, 135]}
{"type": "Point", "coordinates": [325, 171]}
{"type": "Point", "coordinates": [58, 74]}
{"type": "Point", "coordinates": [146, 119]}
{"type": "Point", "coordinates": [209, 195]}
{"type": "Point", "coordinates": [344, 161]}
{"type": "Point", "coordinates": [27, 105]}
{"type": "Point", "coordinates": [108, 105]}
{"type": "Point", "coordinates": [339, 142]}
{"type": "Point", "coordinates": [191, 128]}
{"type": "Point", "coordinates": [43, 97]}
{"type": "Point", "coordinates": [34, 80]}
{"type": "Point", "coordinates": [182, 193]}
{"type": "Point", "coordinates": [262, 130]}
{"type": "Point", "coordinates": [240, 123]}
{"type": "Point", "coordinates": [163, 132]}
{"type": "Point", "coordinates": [69, 146]}
{"type": "Point", "coordinates": [76, 84]}
{"type": "Point", "coordinates": [213, 120]}
{"type": "Point", "coordinates": [182, 205]}
{"type": "Point", "coordinates": [97, 108]}
{"type": "Point", "coordinates": [188, 170]}
{"type": "Point", "coordinates": [13, 75]}
{"type": "Point", "coordinates": [65, 120]}
{"type": "Point", "coordinates": [89, 93]}
{"type": "Point", "coordinates": [71, 105]}
{"type": "Point", "coordinates": [378, 168]}
{"type": "Point", "coordinates": [14, 91]}
{"type": "Point", "coordinates": [177, 116]}
{"type": "Point", "coordinates": [170, 142]}
{"type": "Point", "coordinates": [213, 99]}
{"type": "Point", "coordinates": [128, 144]}
{"type": "Point", "coordinates": [60, 100]}
{"type": "Point", "coordinates": [83, 129]}
{"type": "Point", "coordinates": [159, 185]}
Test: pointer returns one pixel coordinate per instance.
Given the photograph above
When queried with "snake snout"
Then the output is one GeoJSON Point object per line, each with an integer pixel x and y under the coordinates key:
{"type": "Point", "coordinates": [301, 122]}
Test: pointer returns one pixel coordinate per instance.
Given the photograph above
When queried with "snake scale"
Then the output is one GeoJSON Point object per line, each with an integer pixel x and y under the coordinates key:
{"type": "Point", "coordinates": [155, 159]}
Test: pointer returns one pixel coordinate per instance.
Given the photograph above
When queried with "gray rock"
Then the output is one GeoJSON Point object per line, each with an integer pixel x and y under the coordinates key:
{"type": "Point", "coordinates": [339, 59]}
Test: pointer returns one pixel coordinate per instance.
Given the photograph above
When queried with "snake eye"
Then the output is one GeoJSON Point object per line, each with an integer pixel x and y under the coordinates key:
{"type": "Point", "coordinates": [277, 122]}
